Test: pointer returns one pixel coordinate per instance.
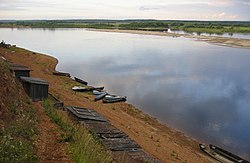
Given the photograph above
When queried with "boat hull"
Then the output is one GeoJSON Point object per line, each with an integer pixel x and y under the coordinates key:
{"type": "Point", "coordinates": [113, 98]}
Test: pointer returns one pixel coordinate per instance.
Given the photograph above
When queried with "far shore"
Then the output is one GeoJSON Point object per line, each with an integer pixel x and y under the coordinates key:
{"type": "Point", "coordinates": [222, 41]}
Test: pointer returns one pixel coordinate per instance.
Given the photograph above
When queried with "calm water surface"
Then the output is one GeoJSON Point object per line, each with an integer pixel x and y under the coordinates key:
{"type": "Point", "coordinates": [198, 88]}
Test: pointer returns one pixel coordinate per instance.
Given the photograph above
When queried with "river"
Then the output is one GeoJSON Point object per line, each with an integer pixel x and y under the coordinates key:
{"type": "Point", "coordinates": [198, 88]}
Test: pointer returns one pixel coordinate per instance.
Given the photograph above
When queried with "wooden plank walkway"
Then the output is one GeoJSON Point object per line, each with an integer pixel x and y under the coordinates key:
{"type": "Point", "coordinates": [123, 148]}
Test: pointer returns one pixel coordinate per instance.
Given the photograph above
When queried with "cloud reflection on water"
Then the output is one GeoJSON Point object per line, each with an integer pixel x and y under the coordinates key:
{"type": "Point", "coordinates": [199, 96]}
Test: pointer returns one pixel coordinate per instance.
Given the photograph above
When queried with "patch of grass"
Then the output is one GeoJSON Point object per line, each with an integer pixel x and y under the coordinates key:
{"type": "Point", "coordinates": [22, 128]}
{"type": "Point", "coordinates": [13, 107]}
{"type": "Point", "coordinates": [86, 149]}
{"type": "Point", "coordinates": [17, 140]}
{"type": "Point", "coordinates": [4, 67]}
{"type": "Point", "coordinates": [13, 149]}
{"type": "Point", "coordinates": [82, 145]}
{"type": "Point", "coordinates": [146, 118]}
{"type": "Point", "coordinates": [136, 111]}
{"type": "Point", "coordinates": [42, 63]}
{"type": "Point", "coordinates": [175, 155]}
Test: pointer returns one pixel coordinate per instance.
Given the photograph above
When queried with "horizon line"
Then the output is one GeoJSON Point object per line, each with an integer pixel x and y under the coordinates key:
{"type": "Point", "coordinates": [111, 19]}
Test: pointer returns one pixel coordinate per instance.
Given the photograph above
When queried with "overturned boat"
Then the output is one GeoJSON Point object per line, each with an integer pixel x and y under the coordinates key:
{"type": "Point", "coordinates": [114, 98]}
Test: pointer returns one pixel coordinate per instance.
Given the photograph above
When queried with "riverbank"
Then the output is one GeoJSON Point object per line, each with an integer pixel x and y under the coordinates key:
{"type": "Point", "coordinates": [221, 41]}
{"type": "Point", "coordinates": [156, 138]}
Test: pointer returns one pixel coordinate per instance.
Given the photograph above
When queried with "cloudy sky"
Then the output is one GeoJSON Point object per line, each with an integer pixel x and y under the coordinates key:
{"type": "Point", "coordinates": [126, 9]}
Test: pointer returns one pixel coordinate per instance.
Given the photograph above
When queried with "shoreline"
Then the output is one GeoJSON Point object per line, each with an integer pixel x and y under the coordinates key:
{"type": "Point", "coordinates": [216, 40]}
{"type": "Point", "coordinates": [158, 139]}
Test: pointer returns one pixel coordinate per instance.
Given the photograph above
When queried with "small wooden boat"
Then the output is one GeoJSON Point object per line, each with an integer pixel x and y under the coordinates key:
{"type": "Point", "coordinates": [86, 89]}
{"type": "Point", "coordinates": [227, 154]}
{"type": "Point", "coordinates": [214, 155]}
{"type": "Point", "coordinates": [80, 89]}
{"type": "Point", "coordinates": [100, 96]}
{"type": "Point", "coordinates": [80, 81]}
{"type": "Point", "coordinates": [61, 73]}
{"type": "Point", "coordinates": [96, 92]}
{"type": "Point", "coordinates": [113, 98]}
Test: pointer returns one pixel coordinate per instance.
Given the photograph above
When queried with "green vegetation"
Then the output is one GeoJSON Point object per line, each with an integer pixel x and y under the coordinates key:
{"type": "Point", "coordinates": [4, 67]}
{"type": "Point", "coordinates": [82, 145]}
{"type": "Point", "coordinates": [150, 26]}
{"type": "Point", "coordinates": [55, 24]}
{"type": "Point", "coordinates": [18, 123]}
{"type": "Point", "coordinates": [217, 27]}
{"type": "Point", "coordinates": [17, 139]}
{"type": "Point", "coordinates": [213, 27]}
{"type": "Point", "coordinates": [175, 155]}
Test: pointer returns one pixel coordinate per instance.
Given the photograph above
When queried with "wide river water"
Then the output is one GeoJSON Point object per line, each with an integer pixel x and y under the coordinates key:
{"type": "Point", "coordinates": [198, 88]}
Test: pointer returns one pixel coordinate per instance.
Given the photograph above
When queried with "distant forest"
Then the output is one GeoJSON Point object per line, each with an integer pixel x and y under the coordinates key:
{"type": "Point", "coordinates": [217, 27]}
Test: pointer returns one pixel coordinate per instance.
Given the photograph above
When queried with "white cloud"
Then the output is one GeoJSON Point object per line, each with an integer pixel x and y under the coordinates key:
{"type": "Point", "coordinates": [218, 3]}
{"type": "Point", "coordinates": [120, 9]}
{"type": "Point", "coordinates": [224, 16]}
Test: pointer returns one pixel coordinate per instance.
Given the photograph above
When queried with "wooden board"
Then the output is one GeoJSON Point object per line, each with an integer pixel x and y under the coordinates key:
{"type": "Point", "coordinates": [121, 144]}
{"type": "Point", "coordinates": [85, 114]}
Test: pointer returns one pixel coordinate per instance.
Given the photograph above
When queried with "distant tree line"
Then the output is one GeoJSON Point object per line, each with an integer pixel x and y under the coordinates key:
{"type": "Point", "coordinates": [152, 25]}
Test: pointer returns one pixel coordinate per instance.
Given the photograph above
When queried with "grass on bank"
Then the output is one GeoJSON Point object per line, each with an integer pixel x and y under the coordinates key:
{"type": "Point", "coordinates": [17, 140]}
{"type": "Point", "coordinates": [82, 145]}
{"type": "Point", "coordinates": [18, 122]}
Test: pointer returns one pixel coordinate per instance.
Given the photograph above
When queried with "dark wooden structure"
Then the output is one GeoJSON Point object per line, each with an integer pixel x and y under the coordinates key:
{"type": "Point", "coordinates": [36, 88]}
{"type": "Point", "coordinates": [121, 146]}
{"type": "Point", "coordinates": [57, 103]}
{"type": "Point", "coordinates": [61, 73]}
{"type": "Point", "coordinates": [86, 114]}
{"type": "Point", "coordinates": [20, 70]}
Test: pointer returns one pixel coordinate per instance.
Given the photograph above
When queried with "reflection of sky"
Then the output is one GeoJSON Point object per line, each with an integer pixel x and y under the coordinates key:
{"type": "Point", "coordinates": [201, 89]}
{"type": "Point", "coordinates": [230, 35]}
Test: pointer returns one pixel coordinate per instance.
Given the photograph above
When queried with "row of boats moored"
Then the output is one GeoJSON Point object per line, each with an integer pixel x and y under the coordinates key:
{"type": "Point", "coordinates": [98, 92]}
{"type": "Point", "coordinates": [213, 151]}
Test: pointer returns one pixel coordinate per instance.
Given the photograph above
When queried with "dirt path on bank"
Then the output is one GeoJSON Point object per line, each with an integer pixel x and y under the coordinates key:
{"type": "Point", "coordinates": [49, 147]}
{"type": "Point", "coordinates": [221, 41]}
{"type": "Point", "coordinates": [157, 139]}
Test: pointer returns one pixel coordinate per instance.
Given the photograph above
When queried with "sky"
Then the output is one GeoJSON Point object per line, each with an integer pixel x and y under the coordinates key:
{"type": "Point", "coordinates": [126, 9]}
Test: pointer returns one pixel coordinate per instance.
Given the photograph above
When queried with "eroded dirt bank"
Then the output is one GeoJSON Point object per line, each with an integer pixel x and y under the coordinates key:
{"type": "Point", "coordinates": [159, 140]}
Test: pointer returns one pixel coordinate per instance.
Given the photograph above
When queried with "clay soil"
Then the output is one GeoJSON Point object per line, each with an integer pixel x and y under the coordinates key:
{"type": "Point", "coordinates": [49, 146]}
{"type": "Point", "coordinates": [158, 139]}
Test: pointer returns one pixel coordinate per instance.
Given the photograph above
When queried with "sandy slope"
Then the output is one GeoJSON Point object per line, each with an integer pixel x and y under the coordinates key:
{"type": "Point", "coordinates": [160, 140]}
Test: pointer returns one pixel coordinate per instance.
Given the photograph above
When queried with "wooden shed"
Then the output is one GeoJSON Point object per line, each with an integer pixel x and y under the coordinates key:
{"type": "Point", "coordinates": [36, 88]}
{"type": "Point", "coordinates": [20, 70]}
